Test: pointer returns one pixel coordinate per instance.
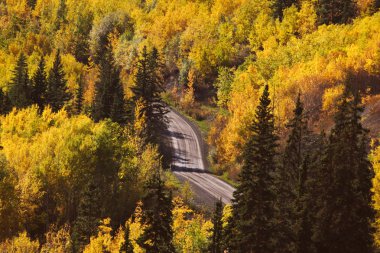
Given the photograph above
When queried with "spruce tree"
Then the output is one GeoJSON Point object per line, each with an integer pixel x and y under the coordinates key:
{"type": "Point", "coordinates": [217, 231]}
{"type": "Point", "coordinates": [39, 85]}
{"type": "Point", "coordinates": [345, 212]}
{"type": "Point", "coordinates": [78, 102]}
{"type": "Point", "coordinates": [336, 11]}
{"type": "Point", "coordinates": [254, 198]}
{"type": "Point", "coordinates": [20, 90]}
{"type": "Point", "coordinates": [148, 88]}
{"type": "Point", "coordinates": [303, 223]}
{"type": "Point", "coordinates": [57, 93]}
{"type": "Point", "coordinates": [88, 218]}
{"type": "Point", "coordinates": [118, 113]}
{"type": "Point", "coordinates": [288, 178]}
{"type": "Point", "coordinates": [157, 216]}
{"type": "Point", "coordinates": [126, 246]}
{"type": "Point", "coordinates": [5, 104]}
{"type": "Point", "coordinates": [109, 94]}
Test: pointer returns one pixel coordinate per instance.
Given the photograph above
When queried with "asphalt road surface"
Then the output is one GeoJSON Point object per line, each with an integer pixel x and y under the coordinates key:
{"type": "Point", "coordinates": [189, 164]}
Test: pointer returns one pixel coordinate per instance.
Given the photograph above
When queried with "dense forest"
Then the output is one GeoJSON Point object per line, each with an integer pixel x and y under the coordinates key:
{"type": "Point", "coordinates": [286, 93]}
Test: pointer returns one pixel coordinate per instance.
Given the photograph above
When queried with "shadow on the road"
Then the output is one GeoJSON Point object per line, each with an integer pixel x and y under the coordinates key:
{"type": "Point", "coordinates": [185, 169]}
{"type": "Point", "coordinates": [180, 159]}
{"type": "Point", "coordinates": [176, 135]}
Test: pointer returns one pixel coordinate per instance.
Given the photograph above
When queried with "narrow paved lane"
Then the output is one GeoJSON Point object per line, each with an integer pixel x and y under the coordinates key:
{"type": "Point", "coordinates": [189, 162]}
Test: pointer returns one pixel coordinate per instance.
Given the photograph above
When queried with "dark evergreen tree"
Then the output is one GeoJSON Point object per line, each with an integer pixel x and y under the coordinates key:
{"type": "Point", "coordinates": [254, 198]}
{"type": "Point", "coordinates": [20, 91]}
{"type": "Point", "coordinates": [336, 11]}
{"type": "Point", "coordinates": [148, 88]}
{"type": "Point", "coordinates": [78, 102]}
{"type": "Point", "coordinates": [87, 221]}
{"type": "Point", "coordinates": [39, 85]}
{"type": "Point", "coordinates": [118, 113]}
{"type": "Point", "coordinates": [157, 216]}
{"type": "Point", "coordinates": [126, 246]}
{"type": "Point", "coordinates": [217, 231]}
{"type": "Point", "coordinates": [345, 212]}
{"type": "Point", "coordinates": [375, 6]}
{"type": "Point", "coordinates": [5, 104]}
{"type": "Point", "coordinates": [57, 93]}
{"type": "Point", "coordinates": [229, 233]}
{"type": "Point", "coordinates": [32, 3]}
{"type": "Point", "coordinates": [288, 178]}
{"type": "Point", "coordinates": [303, 225]}
{"type": "Point", "coordinates": [109, 94]}
{"type": "Point", "coordinates": [10, 215]}
{"type": "Point", "coordinates": [280, 5]}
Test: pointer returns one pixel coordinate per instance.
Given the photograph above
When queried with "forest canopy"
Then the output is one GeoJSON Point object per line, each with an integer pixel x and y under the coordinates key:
{"type": "Point", "coordinates": [83, 92]}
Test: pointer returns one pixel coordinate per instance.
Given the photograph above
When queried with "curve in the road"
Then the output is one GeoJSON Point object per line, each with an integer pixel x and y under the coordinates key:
{"type": "Point", "coordinates": [188, 162]}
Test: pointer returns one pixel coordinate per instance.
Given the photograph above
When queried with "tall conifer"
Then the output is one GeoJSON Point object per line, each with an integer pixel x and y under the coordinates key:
{"type": "Point", "coordinates": [20, 91]}
{"type": "Point", "coordinates": [148, 88]}
{"type": "Point", "coordinates": [303, 222]}
{"type": "Point", "coordinates": [345, 209]}
{"type": "Point", "coordinates": [5, 104]}
{"type": "Point", "coordinates": [78, 102]}
{"type": "Point", "coordinates": [288, 179]}
{"type": "Point", "coordinates": [87, 221]}
{"type": "Point", "coordinates": [217, 230]}
{"type": "Point", "coordinates": [109, 94]}
{"type": "Point", "coordinates": [157, 216]}
{"type": "Point", "coordinates": [254, 199]}
{"type": "Point", "coordinates": [57, 92]}
{"type": "Point", "coordinates": [336, 11]}
{"type": "Point", "coordinates": [39, 85]}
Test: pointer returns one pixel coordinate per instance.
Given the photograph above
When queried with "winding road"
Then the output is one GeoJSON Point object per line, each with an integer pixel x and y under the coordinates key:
{"type": "Point", "coordinates": [189, 163]}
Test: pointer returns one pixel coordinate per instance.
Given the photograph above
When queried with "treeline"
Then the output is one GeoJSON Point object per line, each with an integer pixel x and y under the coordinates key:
{"type": "Point", "coordinates": [50, 90]}
{"type": "Point", "coordinates": [62, 172]}
{"type": "Point", "coordinates": [39, 89]}
{"type": "Point", "coordinates": [297, 200]}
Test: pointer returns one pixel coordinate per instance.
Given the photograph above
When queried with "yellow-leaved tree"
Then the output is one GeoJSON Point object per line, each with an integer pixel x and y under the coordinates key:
{"type": "Point", "coordinates": [191, 230]}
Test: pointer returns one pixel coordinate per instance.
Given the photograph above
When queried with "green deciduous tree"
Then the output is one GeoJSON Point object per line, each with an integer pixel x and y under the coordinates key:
{"type": "Point", "coordinates": [254, 199]}
{"type": "Point", "coordinates": [57, 93]}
